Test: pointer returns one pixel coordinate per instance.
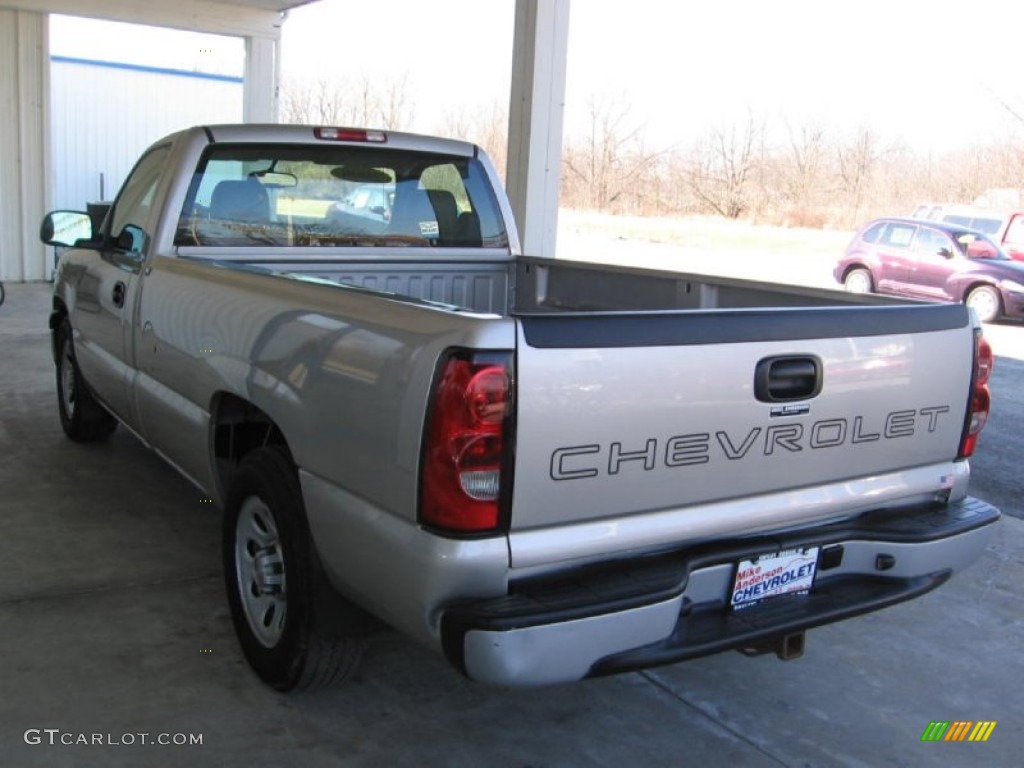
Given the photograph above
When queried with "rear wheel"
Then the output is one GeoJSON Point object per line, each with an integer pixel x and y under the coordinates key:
{"type": "Point", "coordinates": [985, 300]}
{"type": "Point", "coordinates": [82, 418]}
{"type": "Point", "coordinates": [858, 281]}
{"type": "Point", "coordinates": [280, 601]}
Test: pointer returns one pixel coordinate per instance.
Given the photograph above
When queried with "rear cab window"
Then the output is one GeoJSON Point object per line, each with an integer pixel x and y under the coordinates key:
{"type": "Point", "coordinates": [338, 196]}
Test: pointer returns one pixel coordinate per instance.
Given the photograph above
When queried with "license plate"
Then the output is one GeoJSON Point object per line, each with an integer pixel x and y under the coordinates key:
{"type": "Point", "coordinates": [767, 576]}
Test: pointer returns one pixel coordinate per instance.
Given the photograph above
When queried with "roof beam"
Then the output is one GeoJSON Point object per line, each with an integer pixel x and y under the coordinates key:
{"type": "Point", "coordinates": [262, 79]}
{"type": "Point", "coordinates": [536, 110]}
{"type": "Point", "coordinates": [192, 15]}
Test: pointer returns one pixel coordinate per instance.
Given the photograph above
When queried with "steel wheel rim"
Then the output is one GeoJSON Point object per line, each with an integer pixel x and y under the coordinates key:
{"type": "Point", "coordinates": [858, 282]}
{"type": "Point", "coordinates": [984, 303]}
{"type": "Point", "coordinates": [67, 382]}
{"type": "Point", "coordinates": [260, 572]}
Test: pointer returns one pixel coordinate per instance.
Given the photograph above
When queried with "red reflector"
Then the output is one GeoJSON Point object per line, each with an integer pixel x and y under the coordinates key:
{"type": "Point", "coordinates": [981, 403]}
{"type": "Point", "coordinates": [486, 395]}
{"type": "Point", "coordinates": [350, 134]}
{"type": "Point", "coordinates": [979, 417]}
{"type": "Point", "coordinates": [985, 361]}
{"type": "Point", "coordinates": [464, 446]}
{"type": "Point", "coordinates": [981, 400]}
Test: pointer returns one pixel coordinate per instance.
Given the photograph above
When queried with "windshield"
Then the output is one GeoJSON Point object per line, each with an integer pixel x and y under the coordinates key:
{"type": "Point", "coordinates": [977, 246]}
{"type": "Point", "coordinates": [986, 224]}
{"type": "Point", "coordinates": [298, 195]}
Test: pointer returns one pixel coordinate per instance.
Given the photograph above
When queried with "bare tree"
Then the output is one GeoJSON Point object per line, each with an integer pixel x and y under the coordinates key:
{"type": "Point", "coordinates": [378, 103]}
{"type": "Point", "coordinates": [611, 166]}
{"type": "Point", "coordinates": [805, 167]}
{"type": "Point", "coordinates": [397, 107]}
{"type": "Point", "coordinates": [805, 176]}
{"type": "Point", "coordinates": [319, 101]}
{"type": "Point", "coordinates": [486, 125]}
{"type": "Point", "coordinates": [723, 165]}
{"type": "Point", "coordinates": [857, 162]}
{"type": "Point", "coordinates": [457, 123]}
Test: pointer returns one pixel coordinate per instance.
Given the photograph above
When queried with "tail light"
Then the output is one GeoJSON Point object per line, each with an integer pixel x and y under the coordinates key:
{"type": "Point", "coordinates": [466, 443]}
{"type": "Point", "coordinates": [981, 400]}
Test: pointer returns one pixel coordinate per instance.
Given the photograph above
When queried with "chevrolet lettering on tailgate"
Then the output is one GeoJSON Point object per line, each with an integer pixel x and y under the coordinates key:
{"type": "Point", "coordinates": [582, 461]}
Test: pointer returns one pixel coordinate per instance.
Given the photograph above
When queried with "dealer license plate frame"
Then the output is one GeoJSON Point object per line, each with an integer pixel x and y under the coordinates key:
{"type": "Point", "coordinates": [801, 563]}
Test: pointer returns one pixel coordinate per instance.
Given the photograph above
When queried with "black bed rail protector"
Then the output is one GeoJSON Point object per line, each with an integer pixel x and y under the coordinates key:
{"type": "Point", "coordinates": [687, 327]}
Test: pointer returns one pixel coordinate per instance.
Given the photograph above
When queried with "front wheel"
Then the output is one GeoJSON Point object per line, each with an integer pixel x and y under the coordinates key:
{"type": "Point", "coordinates": [82, 418]}
{"type": "Point", "coordinates": [986, 301]}
{"type": "Point", "coordinates": [858, 281]}
{"type": "Point", "coordinates": [274, 583]}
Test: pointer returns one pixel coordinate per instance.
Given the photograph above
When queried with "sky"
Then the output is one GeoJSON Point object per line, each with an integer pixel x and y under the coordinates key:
{"type": "Point", "coordinates": [928, 74]}
{"type": "Point", "coordinates": [903, 68]}
{"type": "Point", "coordinates": [921, 72]}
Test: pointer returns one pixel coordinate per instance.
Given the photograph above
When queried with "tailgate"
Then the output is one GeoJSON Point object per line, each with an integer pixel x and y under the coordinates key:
{"type": "Point", "coordinates": [624, 414]}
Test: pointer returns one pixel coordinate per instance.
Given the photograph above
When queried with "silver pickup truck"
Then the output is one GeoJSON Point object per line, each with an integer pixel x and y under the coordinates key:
{"type": "Point", "coordinates": [546, 470]}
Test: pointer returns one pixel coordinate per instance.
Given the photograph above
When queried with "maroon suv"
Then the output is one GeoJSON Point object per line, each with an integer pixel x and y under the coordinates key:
{"type": "Point", "coordinates": [934, 260]}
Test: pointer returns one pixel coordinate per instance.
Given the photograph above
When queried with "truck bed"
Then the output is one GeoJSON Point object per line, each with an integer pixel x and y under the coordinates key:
{"type": "Point", "coordinates": [529, 286]}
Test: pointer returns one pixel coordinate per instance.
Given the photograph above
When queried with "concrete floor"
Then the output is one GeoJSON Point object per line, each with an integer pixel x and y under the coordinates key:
{"type": "Point", "coordinates": [113, 622]}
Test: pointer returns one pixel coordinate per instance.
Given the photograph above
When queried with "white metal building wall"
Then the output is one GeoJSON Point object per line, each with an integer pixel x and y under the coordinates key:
{"type": "Point", "coordinates": [23, 151]}
{"type": "Point", "coordinates": [104, 114]}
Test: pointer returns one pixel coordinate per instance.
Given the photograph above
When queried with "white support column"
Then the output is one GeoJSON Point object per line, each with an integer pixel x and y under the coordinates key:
{"type": "Point", "coordinates": [262, 79]}
{"type": "Point", "coordinates": [24, 145]}
{"type": "Point", "coordinates": [536, 108]}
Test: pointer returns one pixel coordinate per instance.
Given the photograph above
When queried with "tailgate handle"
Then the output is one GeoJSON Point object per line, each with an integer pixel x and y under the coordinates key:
{"type": "Point", "coordinates": [781, 379]}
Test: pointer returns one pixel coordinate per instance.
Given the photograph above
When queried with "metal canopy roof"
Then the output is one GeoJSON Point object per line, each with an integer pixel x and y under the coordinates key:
{"type": "Point", "coordinates": [229, 17]}
{"type": "Point", "coordinates": [270, 5]}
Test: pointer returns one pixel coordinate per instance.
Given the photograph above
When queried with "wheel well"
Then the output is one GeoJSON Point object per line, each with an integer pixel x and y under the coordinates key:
{"type": "Point", "coordinates": [57, 314]}
{"type": "Point", "coordinates": [239, 427]}
{"type": "Point", "coordinates": [59, 310]}
{"type": "Point", "coordinates": [979, 284]}
{"type": "Point", "coordinates": [849, 269]}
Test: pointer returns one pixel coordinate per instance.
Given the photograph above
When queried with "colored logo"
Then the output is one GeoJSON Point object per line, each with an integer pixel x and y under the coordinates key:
{"type": "Point", "coordinates": [958, 730]}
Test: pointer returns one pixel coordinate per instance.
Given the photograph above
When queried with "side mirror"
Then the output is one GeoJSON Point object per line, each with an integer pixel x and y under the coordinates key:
{"type": "Point", "coordinates": [132, 240]}
{"type": "Point", "coordinates": [65, 228]}
{"type": "Point", "coordinates": [945, 253]}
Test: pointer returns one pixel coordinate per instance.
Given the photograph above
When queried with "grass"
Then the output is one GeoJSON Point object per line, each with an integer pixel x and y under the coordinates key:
{"type": "Point", "coordinates": [704, 245]}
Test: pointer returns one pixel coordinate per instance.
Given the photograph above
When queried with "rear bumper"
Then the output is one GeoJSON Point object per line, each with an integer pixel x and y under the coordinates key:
{"type": "Point", "coordinates": [674, 606]}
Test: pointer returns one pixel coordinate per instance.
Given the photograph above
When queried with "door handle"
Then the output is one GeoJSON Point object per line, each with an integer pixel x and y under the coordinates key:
{"type": "Point", "coordinates": [781, 379]}
{"type": "Point", "coordinates": [118, 294]}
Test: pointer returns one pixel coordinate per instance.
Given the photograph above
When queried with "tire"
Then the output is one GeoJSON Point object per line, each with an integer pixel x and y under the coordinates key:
{"type": "Point", "coordinates": [288, 620]}
{"type": "Point", "coordinates": [858, 281]}
{"type": "Point", "coordinates": [83, 419]}
{"type": "Point", "coordinates": [986, 301]}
